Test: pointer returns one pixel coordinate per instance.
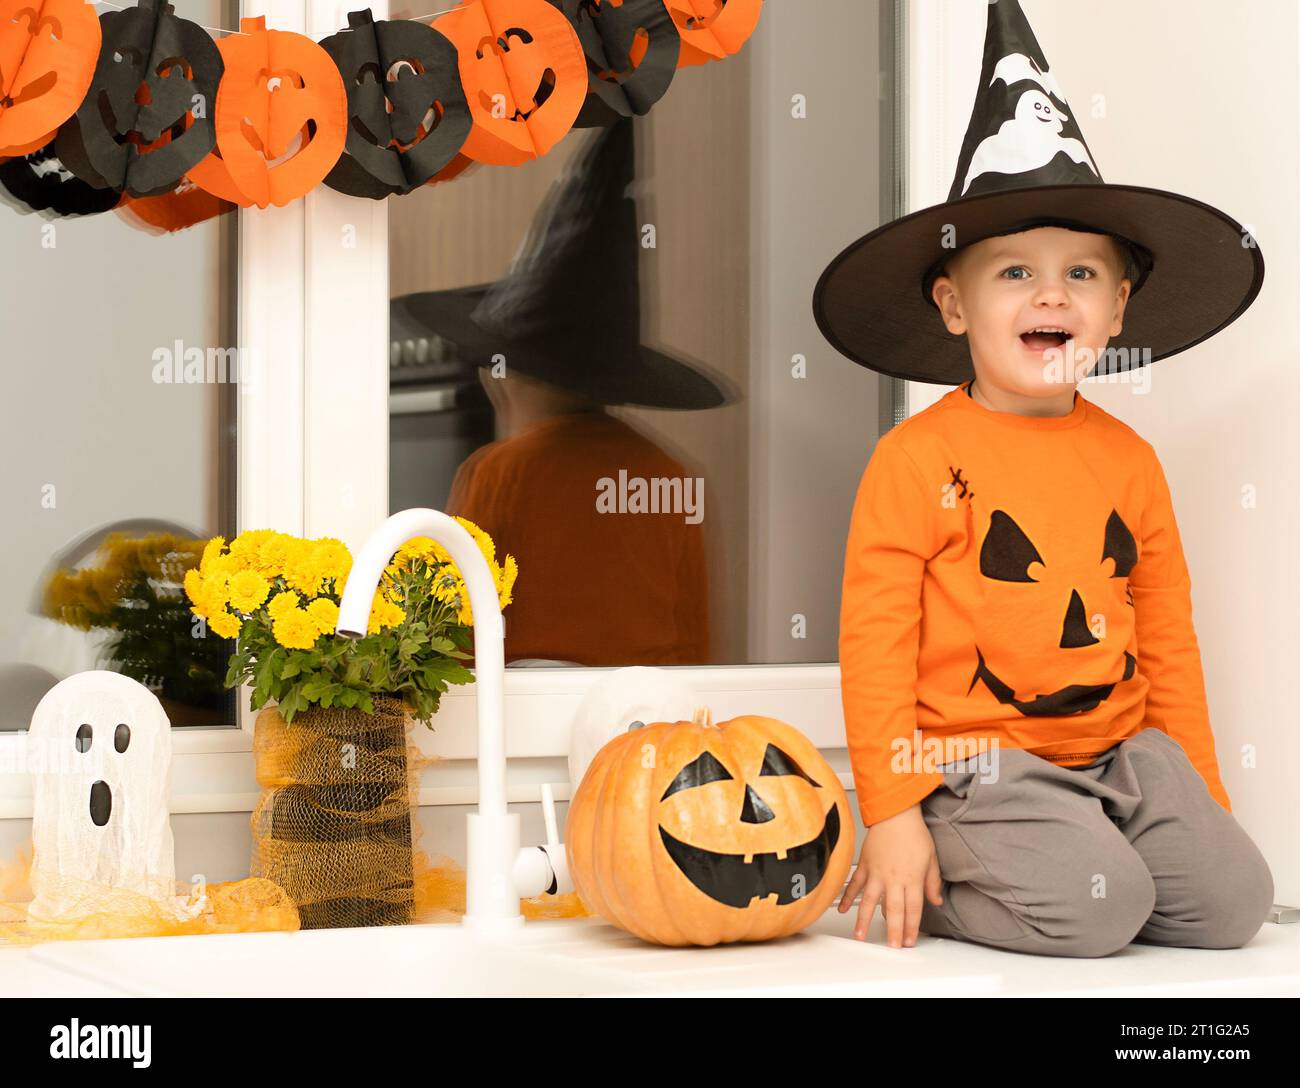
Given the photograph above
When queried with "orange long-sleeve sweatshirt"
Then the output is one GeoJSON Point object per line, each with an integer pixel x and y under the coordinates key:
{"type": "Point", "coordinates": [1018, 580]}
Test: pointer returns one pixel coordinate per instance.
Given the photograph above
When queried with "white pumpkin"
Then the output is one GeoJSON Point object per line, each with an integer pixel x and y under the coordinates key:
{"type": "Point", "coordinates": [637, 693]}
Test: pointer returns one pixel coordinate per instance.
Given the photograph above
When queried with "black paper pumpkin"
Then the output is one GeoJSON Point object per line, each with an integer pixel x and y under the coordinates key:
{"type": "Point", "coordinates": [407, 112]}
{"type": "Point", "coordinates": [632, 49]}
{"type": "Point", "coordinates": [148, 116]}
{"type": "Point", "coordinates": [44, 184]}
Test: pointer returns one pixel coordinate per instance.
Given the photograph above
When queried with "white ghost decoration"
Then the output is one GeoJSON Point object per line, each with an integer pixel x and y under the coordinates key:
{"type": "Point", "coordinates": [1016, 66]}
{"type": "Point", "coordinates": [100, 748]}
{"type": "Point", "coordinates": [635, 694]}
{"type": "Point", "coordinates": [1029, 140]}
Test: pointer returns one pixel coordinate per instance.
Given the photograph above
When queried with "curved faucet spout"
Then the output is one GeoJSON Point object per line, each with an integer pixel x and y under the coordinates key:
{"type": "Point", "coordinates": [491, 895]}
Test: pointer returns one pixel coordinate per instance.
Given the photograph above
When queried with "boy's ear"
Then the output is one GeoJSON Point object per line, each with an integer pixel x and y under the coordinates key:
{"type": "Point", "coordinates": [944, 293]}
{"type": "Point", "coordinates": [1121, 304]}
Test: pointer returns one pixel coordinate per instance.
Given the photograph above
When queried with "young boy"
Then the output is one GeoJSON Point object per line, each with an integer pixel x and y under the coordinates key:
{"type": "Point", "coordinates": [1022, 687]}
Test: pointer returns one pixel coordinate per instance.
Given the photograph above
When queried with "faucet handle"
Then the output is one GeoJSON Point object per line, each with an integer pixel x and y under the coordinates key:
{"type": "Point", "coordinates": [548, 814]}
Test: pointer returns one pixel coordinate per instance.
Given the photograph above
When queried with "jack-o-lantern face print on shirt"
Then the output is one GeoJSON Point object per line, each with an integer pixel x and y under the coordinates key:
{"type": "Point", "coordinates": [1050, 611]}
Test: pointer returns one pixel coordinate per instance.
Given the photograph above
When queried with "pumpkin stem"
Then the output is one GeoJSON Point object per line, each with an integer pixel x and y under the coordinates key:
{"type": "Point", "coordinates": [703, 716]}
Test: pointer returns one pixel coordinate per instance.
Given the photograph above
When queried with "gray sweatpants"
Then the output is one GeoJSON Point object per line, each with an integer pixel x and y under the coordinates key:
{"type": "Point", "coordinates": [1080, 861]}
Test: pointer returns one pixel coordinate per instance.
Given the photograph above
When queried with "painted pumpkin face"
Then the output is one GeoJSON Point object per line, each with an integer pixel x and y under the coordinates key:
{"type": "Point", "coordinates": [631, 47]}
{"type": "Point", "coordinates": [524, 74]}
{"type": "Point", "coordinates": [713, 29]}
{"type": "Point", "coordinates": [407, 113]}
{"type": "Point", "coordinates": [47, 58]}
{"type": "Point", "coordinates": [147, 117]}
{"type": "Point", "coordinates": [686, 833]}
{"type": "Point", "coordinates": [1057, 616]}
{"type": "Point", "coordinates": [281, 118]}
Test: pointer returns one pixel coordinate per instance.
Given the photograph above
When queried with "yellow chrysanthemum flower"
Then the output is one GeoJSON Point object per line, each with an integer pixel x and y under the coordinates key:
{"type": "Point", "coordinates": [334, 560]}
{"type": "Point", "coordinates": [211, 551]}
{"type": "Point", "coordinates": [506, 581]}
{"type": "Point", "coordinates": [325, 614]}
{"type": "Point", "coordinates": [217, 586]}
{"type": "Point", "coordinates": [481, 538]}
{"type": "Point", "coordinates": [295, 630]}
{"type": "Point", "coordinates": [272, 554]}
{"type": "Point", "coordinates": [197, 592]}
{"type": "Point", "coordinates": [248, 590]}
{"type": "Point", "coordinates": [224, 624]}
{"type": "Point", "coordinates": [284, 601]}
{"type": "Point", "coordinates": [384, 613]}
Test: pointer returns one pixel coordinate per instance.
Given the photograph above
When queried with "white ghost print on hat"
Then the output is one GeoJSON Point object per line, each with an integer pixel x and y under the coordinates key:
{"type": "Point", "coordinates": [1032, 138]}
{"type": "Point", "coordinates": [100, 750]}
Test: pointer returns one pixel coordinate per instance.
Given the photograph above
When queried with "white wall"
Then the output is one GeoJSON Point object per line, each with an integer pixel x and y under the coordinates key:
{"type": "Point", "coordinates": [1203, 100]}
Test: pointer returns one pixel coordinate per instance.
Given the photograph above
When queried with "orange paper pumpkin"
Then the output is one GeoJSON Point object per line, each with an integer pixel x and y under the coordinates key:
{"type": "Point", "coordinates": [713, 29]}
{"type": "Point", "coordinates": [524, 74]}
{"type": "Point", "coordinates": [173, 211]}
{"type": "Point", "coordinates": [687, 833]}
{"type": "Point", "coordinates": [281, 118]}
{"type": "Point", "coordinates": [48, 50]}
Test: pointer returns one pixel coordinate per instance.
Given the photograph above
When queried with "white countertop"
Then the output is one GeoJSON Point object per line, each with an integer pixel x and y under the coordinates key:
{"type": "Point", "coordinates": [590, 957]}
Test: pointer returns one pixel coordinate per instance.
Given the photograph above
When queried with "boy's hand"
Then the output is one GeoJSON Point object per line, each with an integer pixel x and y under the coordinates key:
{"type": "Point", "coordinates": [898, 864]}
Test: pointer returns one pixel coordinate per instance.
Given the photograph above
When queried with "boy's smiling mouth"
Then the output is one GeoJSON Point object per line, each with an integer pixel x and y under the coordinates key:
{"type": "Point", "coordinates": [1045, 337]}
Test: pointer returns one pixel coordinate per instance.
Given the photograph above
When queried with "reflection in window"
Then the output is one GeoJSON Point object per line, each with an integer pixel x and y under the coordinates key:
{"type": "Point", "coordinates": [606, 358]}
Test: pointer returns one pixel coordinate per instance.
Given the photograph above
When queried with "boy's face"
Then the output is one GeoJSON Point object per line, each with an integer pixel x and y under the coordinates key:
{"type": "Point", "coordinates": [997, 290]}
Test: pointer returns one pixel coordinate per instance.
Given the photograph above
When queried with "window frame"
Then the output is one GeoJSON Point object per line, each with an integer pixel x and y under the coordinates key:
{"type": "Point", "coordinates": [312, 312]}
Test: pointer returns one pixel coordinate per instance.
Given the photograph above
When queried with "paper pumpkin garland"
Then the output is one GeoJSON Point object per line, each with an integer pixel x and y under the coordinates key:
{"type": "Point", "coordinates": [524, 74]}
{"type": "Point", "coordinates": [139, 104]}
{"type": "Point", "coordinates": [48, 50]}
{"type": "Point", "coordinates": [632, 48]}
{"type": "Point", "coordinates": [170, 212]}
{"type": "Point", "coordinates": [147, 117]}
{"type": "Point", "coordinates": [407, 112]}
{"type": "Point", "coordinates": [713, 29]}
{"type": "Point", "coordinates": [41, 182]}
{"type": "Point", "coordinates": [281, 118]}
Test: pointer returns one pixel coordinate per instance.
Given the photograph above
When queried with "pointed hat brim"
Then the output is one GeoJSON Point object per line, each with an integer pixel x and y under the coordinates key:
{"type": "Point", "coordinates": [871, 301]}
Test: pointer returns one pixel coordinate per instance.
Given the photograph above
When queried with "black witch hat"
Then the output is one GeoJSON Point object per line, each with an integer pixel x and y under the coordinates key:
{"type": "Point", "coordinates": [569, 310]}
{"type": "Point", "coordinates": [1024, 164]}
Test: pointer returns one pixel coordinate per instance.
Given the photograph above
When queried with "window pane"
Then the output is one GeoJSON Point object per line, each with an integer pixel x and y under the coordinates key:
{"type": "Point", "coordinates": [631, 396]}
{"type": "Point", "coordinates": [118, 443]}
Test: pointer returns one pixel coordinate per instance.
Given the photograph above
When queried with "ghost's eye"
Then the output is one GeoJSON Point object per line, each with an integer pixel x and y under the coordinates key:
{"type": "Point", "coordinates": [84, 736]}
{"type": "Point", "coordinates": [121, 737]}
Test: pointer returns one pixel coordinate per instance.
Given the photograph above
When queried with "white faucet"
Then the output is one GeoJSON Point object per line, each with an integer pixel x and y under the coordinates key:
{"type": "Point", "coordinates": [498, 872]}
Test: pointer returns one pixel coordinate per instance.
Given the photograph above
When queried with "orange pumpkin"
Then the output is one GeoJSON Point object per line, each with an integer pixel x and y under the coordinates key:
{"type": "Point", "coordinates": [713, 29]}
{"type": "Point", "coordinates": [524, 74]}
{"type": "Point", "coordinates": [170, 212]}
{"type": "Point", "coordinates": [48, 50]}
{"type": "Point", "coordinates": [281, 118]}
{"type": "Point", "coordinates": [690, 833]}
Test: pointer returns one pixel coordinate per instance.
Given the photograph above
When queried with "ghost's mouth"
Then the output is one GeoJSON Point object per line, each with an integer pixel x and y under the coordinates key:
{"type": "Point", "coordinates": [1071, 699]}
{"type": "Point", "coordinates": [101, 803]}
{"type": "Point", "coordinates": [730, 879]}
